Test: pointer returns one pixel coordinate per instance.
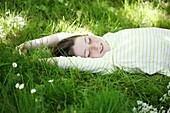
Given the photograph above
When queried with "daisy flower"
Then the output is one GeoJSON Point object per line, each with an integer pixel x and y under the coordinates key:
{"type": "Point", "coordinates": [14, 64]}
{"type": "Point", "coordinates": [33, 90]}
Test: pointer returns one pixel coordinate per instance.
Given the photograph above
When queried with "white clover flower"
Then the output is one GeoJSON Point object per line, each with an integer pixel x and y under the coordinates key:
{"type": "Point", "coordinates": [155, 110]}
{"type": "Point", "coordinates": [18, 74]}
{"type": "Point", "coordinates": [134, 110]}
{"type": "Point", "coordinates": [161, 99]}
{"type": "Point", "coordinates": [144, 104]}
{"type": "Point", "coordinates": [51, 81]}
{"type": "Point", "coordinates": [1, 30]}
{"type": "Point", "coordinates": [150, 107]}
{"type": "Point", "coordinates": [33, 90]}
{"type": "Point", "coordinates": [165, 95]}
{"type": "Point", "coordinates": [20, 19]}
{"type": "Point", "coordinates": [66, 4]}
{"type": "Point", "coordinates": [168, 86]}
{"type": "Point", "coordinates": [152, 112]}
{"type": "Point", "coordinates": [163, 111]}
{"type": "Point", "coordinates": [139, 107]}
{"type": "Point", "coordinates": [162, 107]}
{"type": "Point", "coordinates": [169, 93]}
{"type": "Point", "coordinates": [17, 85]}
{"type": "Point", "coordinates": [168, 111]}
{"type": "Point", "coordinates": [21, 86]}
{"type": "Point", "coordinates": [8, 12]}
{"type": "Point", "coordinates": [21, 24]}
{"type": "Point", "coordinates": [145, 110]}
{"type": "Point", "coordinates": [14, 64]}
{"type": "Point", "coordinates": [15, 24]}
{"type": "Point", "coordinates": [139, 102]}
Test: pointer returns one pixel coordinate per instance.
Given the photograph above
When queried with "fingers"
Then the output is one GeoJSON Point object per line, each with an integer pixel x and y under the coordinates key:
{"type": "Point", "coordinates": [51, 60]}
{"type": "Point", "coordinates": [21, 49]}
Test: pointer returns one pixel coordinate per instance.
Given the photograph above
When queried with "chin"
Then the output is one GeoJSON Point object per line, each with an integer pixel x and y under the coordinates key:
{"type": "Point", "coordinates": [100, 56]}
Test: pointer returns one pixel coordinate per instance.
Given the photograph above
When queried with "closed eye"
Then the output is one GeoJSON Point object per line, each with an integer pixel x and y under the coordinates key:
{"type": "Point", "coordinates": [89, 54]}
{"type": "Point", "coordinates": [86, 53]}
{"type": "Point", "coordinates": [89, 39]}
{"type": "Point", "coordinates": [85, 40]}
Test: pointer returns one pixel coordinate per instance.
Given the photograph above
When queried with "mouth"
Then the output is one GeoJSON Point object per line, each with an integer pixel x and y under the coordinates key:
{"type": "Point", "coordinates": [101, 47]}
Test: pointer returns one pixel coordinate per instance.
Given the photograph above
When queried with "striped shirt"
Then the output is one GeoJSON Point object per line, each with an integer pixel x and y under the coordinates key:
{"type": "Point", "coordinates": [143, 49]}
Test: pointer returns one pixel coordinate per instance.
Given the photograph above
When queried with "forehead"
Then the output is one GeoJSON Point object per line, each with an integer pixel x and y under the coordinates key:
{"type": "Point", "coordinates": [79, 46]}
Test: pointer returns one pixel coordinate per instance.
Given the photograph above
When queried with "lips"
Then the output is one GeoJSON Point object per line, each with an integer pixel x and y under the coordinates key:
{"type": "Point", "coordinates": [101, 47]}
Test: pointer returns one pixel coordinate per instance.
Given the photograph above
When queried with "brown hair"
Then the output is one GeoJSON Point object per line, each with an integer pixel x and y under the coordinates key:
{"type": "Point", "coordinates": [64, 47]}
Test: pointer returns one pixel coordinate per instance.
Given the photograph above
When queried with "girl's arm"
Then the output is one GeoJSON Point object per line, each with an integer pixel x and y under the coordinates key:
{"type": "Point", "coordinates": [48, 41]}
{"type": "Point", "coordinates": [94, 65]}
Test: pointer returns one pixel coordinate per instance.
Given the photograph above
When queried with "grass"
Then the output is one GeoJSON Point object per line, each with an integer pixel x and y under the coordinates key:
{"type": "Point", "coordinates": [74, 91]}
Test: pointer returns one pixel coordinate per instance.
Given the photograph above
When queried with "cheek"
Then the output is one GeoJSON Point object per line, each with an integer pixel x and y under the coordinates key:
{"type": "Point", "coordinates": [95, 54]}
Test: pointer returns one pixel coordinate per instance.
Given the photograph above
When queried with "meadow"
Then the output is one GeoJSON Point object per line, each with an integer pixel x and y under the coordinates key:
{"type": "Point", "coordinates": [28, 86]}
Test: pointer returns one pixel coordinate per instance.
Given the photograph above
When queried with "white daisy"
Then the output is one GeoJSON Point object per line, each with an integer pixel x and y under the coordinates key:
{"type": "Point", "coordinates": [21, 86]}
{"type": "Point", "coordinates": [33, 90]}
{"type": "Point", "coordinates": [18, 74]}
{"type": "Point", "coordinates": [51, 81]}
{"type": "Point", "coordinates": [14, 64]}
{"type": "Point", "coordinates": [17, 85]}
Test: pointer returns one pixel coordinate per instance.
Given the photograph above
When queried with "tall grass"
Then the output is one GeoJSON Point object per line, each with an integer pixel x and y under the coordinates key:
{"type": "Point", "coordinates": [71, 90]}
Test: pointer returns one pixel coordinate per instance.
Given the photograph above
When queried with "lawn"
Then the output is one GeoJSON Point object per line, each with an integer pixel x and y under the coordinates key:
{"type": "Point", "coordinates": [28, 86]}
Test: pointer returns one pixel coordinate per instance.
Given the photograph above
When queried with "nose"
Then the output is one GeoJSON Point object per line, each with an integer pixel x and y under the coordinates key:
{"type": "Point", "coordinates": [94, 46]}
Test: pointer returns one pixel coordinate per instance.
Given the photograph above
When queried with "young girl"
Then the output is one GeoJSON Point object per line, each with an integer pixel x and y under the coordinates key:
{"type": "Point", "coordinates": [142, 50]}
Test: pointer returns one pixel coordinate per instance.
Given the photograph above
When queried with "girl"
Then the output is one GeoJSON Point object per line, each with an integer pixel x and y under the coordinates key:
{"type": "Point", "coordinates": [142, 50]}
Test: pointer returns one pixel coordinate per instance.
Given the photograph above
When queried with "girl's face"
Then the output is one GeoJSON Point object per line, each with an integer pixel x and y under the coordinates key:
{"type": "Point", "coordinates": [90, 46]}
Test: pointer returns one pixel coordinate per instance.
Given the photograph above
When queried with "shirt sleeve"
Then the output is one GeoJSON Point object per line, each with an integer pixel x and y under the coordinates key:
{"type": "Point", "coordinates": [165, 72]}
{"type": "Point", "coordinates": [94, 65]}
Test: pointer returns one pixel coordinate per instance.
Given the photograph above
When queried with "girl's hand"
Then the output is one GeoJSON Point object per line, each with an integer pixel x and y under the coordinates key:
{"type": "Point", "coordinates": [22, 49]}
{"type": "Point", "coordinates": [51, 60]}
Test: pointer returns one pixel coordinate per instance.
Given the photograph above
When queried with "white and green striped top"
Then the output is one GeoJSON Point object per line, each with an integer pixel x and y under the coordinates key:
{"type": "Point", "coordinates": [144, 49]}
